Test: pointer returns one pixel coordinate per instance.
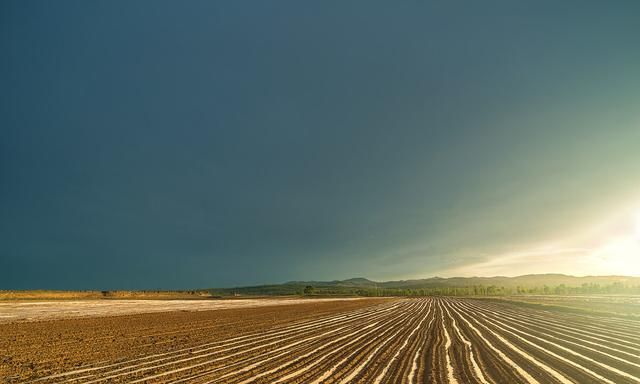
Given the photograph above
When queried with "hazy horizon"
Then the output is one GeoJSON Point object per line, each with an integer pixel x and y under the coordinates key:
{"type": "Point", "coordinates": [208, 144]}
{"type": "Point", "coordinates": [189, 288]}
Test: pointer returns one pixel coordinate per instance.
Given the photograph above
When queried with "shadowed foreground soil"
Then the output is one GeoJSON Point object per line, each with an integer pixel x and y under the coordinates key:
{"type": "Point", "coordinates": [35, 349]}
{"type": "Point", "coordinates": [403, 340]}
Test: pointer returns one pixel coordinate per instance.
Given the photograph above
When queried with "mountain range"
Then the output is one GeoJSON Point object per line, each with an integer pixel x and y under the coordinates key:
{"type": "Point", "coordinates": [359, 285]}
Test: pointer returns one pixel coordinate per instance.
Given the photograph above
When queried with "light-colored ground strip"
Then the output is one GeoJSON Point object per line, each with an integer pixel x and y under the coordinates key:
{"type": "Point", "coordinates": [589, 331]}
{"type": "Point", "coordinates": [393, 342]}
{"type": "Point", "coordinates": [447, 346]}
{"type": "Point", "coordinates": [382, 374]}
{"type": "Point", "coordinates": [262, 357]}
{"type": "Point", "coordinates": [362, 365]}
{"type": "Point", "coordinates": [595, 347]}
{"type": "Point", "coordinates": [244, 351]}
{"type": "Point", "coordinates": [589, 322]}
{"type": "Point", "coordinates": [330, 371]}
{"type": "Point", "coordinates": [281, 349]}
{"type": "Point", "coordinates": [266, 358]}
{"type": "Point", "coordinates": [370, 356]}
{"type": "Point", "coordinates": [557, 375]}
{"type": "Point", "coordinates": [414, 362]}
{"type": "Point", "coordinates": [561, 328]}
{"type": "Point", "coordinates": [228, 344]}
{"type": "Point", "coordinates": [297, 358]}
{"type": "Point", "coordinates": [467, 343]}
{"type": "Point", "coordinates": [203, 348]}
{"type": "Point", "coordinates": [301, 357]}
{"type": "Point", "coordinates": [319, 359]}
{"type": "Point", "coordinates": [191, 352]}
{"type": "Point", "coordinates": [548, 369]}
{"type": "Point", "coordinates": [264, 361]}
{"type": "Point", "coordinates": [503, 356]}
{"type": "Point", "coordinates": [28, 311]}
{"type": "Point", "coordinates": [518, 333]}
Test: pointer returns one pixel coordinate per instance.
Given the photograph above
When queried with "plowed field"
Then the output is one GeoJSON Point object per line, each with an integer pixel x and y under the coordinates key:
{"type": "Point", "coordinates": [422, 340]}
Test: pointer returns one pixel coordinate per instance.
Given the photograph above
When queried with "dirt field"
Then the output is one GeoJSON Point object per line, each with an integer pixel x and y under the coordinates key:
{"type": "Point", "coordinates": [39, 295]}
{"type": "Point", "coordinates": [374, 341]}
{"type": "Point", "coordinates": [619, 305]}
{"type": "Point", "coordinates": [41, 310]}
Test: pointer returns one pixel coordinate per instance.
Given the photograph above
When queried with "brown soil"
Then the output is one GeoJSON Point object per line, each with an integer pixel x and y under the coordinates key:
{"type": "Point", "coordinates": [368, 341]}
{"type": "Point", "coordinates": [35, 349]}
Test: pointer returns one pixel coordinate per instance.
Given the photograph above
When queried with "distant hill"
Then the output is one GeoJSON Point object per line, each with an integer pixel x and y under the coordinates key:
{"type": "Point", "coordinates": [353, 282]}
{"type": "Point", "coordinates": [497, 285]}
{"type": "Point", "coordinates": [550, 279]}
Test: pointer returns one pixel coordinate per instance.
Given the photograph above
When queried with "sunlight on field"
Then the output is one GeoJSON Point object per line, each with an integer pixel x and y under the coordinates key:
{"type": "Point", "coordinates": [417, 340]}
{"type": "Point", "coordinates": [41, 310]}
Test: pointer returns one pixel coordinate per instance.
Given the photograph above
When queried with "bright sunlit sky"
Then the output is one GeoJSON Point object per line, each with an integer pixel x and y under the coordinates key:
{"type": "Point", "coordinates": [163, 144]}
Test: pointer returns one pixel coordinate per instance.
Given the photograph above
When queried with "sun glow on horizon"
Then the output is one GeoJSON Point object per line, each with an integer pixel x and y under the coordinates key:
{"type": "Point", "coordinates": [619, 251]}
{"type": "Point", "coordinates": [619, 256]}
{"type": "Point", "coordinates": [612, 248]}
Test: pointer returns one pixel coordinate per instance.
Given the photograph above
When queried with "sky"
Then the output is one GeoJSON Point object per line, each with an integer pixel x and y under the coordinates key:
{"type": "Point", "coordinates": [171, 145]}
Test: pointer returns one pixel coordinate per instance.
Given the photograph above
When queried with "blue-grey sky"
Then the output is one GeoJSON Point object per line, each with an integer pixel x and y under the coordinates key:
{"type": "Point", "coordinates": [164, 144]}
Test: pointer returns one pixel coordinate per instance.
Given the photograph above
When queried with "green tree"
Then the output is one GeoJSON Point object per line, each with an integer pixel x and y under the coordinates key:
{"type": "Point", "coordinates": [308, 290]}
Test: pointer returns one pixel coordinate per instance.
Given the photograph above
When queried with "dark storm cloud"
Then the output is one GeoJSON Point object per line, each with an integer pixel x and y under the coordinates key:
{"type": "Point", "coordinates": [164, 145]}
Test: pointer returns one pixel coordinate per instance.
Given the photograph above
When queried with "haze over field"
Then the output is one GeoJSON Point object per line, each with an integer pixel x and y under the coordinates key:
{"type": "Point", "coordinates": [148, 145]}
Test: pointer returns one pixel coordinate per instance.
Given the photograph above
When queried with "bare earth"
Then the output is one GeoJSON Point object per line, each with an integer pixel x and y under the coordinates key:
{"type": "Point", "coordinates": [421, 340]}
{"type": "Point", "coordinates": [41, 310]}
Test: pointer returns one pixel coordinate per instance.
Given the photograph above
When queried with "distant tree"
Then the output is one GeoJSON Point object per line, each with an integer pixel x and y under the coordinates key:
{"type": "Point", "coordinates": [308, 290]}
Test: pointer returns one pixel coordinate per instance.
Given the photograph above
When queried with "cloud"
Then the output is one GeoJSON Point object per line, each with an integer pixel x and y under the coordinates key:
{"type": "Point", "coordinates": [546, 259]}
{"type": "Point", "coordinates": [611, 247]}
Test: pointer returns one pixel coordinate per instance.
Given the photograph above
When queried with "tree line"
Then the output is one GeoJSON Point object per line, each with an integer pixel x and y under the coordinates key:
{"type": "Point", "coordinates": [481, 290]}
